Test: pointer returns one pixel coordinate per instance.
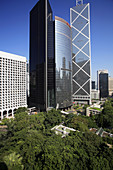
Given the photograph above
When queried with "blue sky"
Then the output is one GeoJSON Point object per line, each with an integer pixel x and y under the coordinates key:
{"type": "Point", "coordinates": [14, 28]}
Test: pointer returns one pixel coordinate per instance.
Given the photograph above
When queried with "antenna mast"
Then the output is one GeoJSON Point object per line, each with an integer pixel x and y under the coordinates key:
{"type": "Point", "coordinates": [79, 2]}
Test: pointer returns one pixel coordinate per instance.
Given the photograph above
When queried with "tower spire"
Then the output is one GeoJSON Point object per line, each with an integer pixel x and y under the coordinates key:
{"type": "Point", "coordinates": [79, 2]}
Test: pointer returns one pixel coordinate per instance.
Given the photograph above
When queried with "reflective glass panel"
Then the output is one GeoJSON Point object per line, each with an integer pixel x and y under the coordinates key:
{"type": "Point", "coordinates": [63, 61]}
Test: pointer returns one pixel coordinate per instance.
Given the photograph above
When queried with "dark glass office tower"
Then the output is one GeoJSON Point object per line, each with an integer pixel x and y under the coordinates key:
{"type": "Point", "coordinates": [42, 57]}
{"type": "Point", "coordinates": [93, 84]}
{"type": "Point", "coordinates": [102, 79]}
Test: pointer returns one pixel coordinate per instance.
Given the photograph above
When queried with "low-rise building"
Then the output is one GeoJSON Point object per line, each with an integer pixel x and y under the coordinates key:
{"type": "Point", "coordinates": [95, 94]}
{"type": "Point", "coordinates": [101, 132]}
{"type": "Point", "coordinates": [62, 130]}
{"type": "Point", "coordinates": [92, 111]}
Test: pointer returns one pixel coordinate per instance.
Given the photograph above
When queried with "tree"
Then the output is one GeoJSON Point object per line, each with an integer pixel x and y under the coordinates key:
{"type": "Point", "coordinates": [21, 109]}
{"type": "Point", "coordinates": [53, 118]}
{"type": "Point", "coordinates": [100, 120]}
{"type": "Point", "coordinates": [32, 144]}
{"type": "Point", "coordinates": [105, 119]}
{"type": "Point", "coordinates": [13, 161]}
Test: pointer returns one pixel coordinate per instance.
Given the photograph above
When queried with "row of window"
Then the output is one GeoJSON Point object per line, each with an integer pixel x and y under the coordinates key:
{"type": "Point", "coordinates": [13, 103]}
{"type": "Point", "coordinates": [82, 97]}
{"type": "Point", "coordinates": [12, 61]}
{"type": "Point", "coordinates": [10, 96]}
{"type": "Point", "coordinates": [21, 68]}
{"type": "Point", "coordinates": [12, 64]}
{"type": "Point", "coordinates": [21, 104]}
{"type": "Point", "coordinates": [18, 98]}
{"type": "Point", "coordinates": [14, 81]}
{"type": "Point", "coordinates": [13, 73]}
{"type": "Point", "coordinates": [18, 81]}
{"type": "Point", "coordinates": [13, 88]}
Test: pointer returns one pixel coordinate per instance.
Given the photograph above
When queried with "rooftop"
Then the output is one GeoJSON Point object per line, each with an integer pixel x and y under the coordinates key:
{"type": "Point", "coordinates": [63, 130]}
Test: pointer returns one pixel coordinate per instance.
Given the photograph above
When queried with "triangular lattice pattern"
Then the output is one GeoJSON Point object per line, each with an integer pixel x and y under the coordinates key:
{"type": "Point", "coordinates": [80, 23]}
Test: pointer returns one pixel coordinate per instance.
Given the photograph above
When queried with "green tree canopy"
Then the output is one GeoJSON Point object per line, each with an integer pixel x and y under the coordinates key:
{"type": "Point", "coordinates": [29, 142]}
{"type": "Point", "coordinates": [13, 161]}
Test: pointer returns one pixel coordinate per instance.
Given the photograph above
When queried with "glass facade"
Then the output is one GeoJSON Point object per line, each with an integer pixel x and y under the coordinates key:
{"type": "Point", "coordinates": [81, 55]}
{"type": "Point", "coordinates": [51, 65]}
{"type": "Point", "coordinates": [42, 68]}
{"type": "Point", "coordinates": [93, 85]}
{"type": "Point", "coordinates": [103, 85]}
{"type": "Point", "coordinates": [63, 61]}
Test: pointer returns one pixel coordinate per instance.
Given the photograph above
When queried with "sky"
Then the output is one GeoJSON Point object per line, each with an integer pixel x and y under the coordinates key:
{"type": "Point", "coordinates": [14, 28]}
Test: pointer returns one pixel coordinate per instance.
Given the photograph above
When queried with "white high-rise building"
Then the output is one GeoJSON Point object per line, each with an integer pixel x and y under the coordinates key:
{"type": "Point", "coordinates": [81, 52]}
{"type": "Point", "coordinates": [12, 83]}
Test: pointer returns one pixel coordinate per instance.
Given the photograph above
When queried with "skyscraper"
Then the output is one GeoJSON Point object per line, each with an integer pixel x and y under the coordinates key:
{"type": "Point", "coordinates": [81, 52]}
{"type": "Point", "coordinates": [63, 63]}
{"type": "Point", "coordinates": [50, 59]}
{"type": "Point", "coordinates": [42, 60]}
{"type": "Point", "coordinates": [102, 82]}
{"type": "Point", "coordinates": [93, 84]}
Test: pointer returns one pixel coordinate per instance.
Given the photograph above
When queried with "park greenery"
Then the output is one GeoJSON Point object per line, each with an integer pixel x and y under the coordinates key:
{"type": "Point", "coordinates": [105, 119]}
{"type": "Point", "coordinates": [29, 143]}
